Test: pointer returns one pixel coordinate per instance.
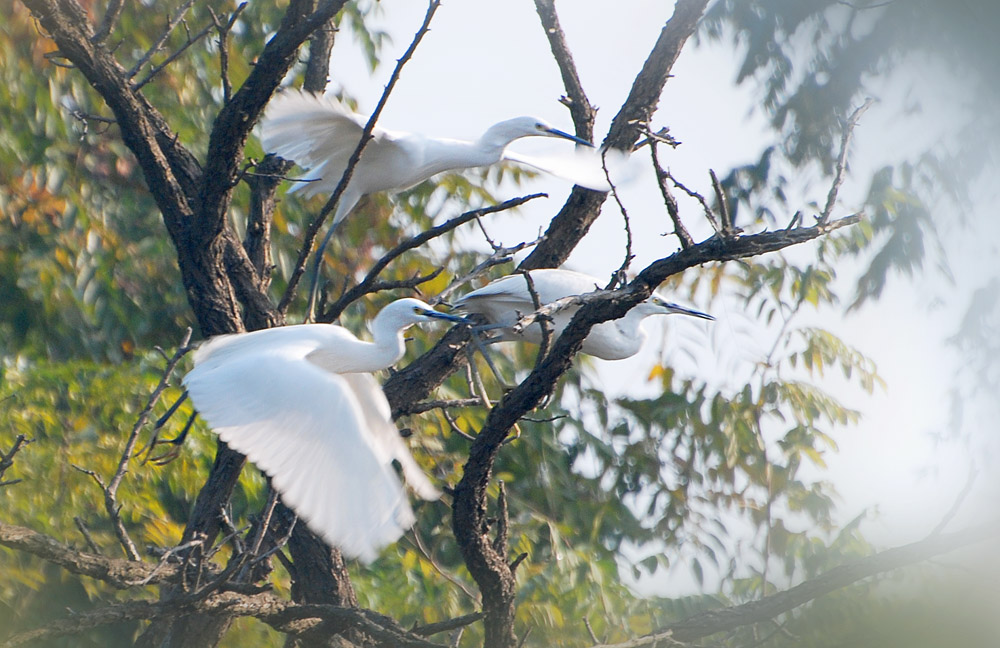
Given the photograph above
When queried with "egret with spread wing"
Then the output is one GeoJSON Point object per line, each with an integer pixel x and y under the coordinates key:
{"type": "Point", "coordinates": [506, 300]}
{"type": "Point", "coordinates": [320, 135]}
{"type": "Point", "coordinates": [301, 403]}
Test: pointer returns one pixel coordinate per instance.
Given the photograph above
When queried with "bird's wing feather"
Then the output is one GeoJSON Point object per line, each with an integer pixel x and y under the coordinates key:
{"type": "Point", "coordinates": [385, 436]}
{"type": "Point", "coordinates": [582, 167]}
{"type": "Point", "coordinates": [303, 427]}
{"type": "Point", "coordinates": [319, 135]}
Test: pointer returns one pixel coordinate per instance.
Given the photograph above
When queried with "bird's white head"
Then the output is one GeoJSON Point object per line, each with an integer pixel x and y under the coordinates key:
{"type": "Point", "coordinates": [406, 312]}
{"type": "Point", "coordinates": [657, 305]}
{"type": "Point", "coordinates": [505, 132]}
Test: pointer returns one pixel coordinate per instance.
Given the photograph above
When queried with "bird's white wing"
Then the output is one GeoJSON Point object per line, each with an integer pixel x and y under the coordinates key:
{"type": "Point", "coordinates": [582, 167]}
{"type": "Point", "coordinates": [303, 427]}
{"type": "Point", "coordinates": [309, 129]}
{"type": "Point", "coordinates": [320, 135]}
{"type": "Point", "coordinates": [385, 436]}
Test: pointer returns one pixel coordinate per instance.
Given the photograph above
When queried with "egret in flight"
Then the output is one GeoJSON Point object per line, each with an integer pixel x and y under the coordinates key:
{"type": "Point", "coordinates": [507, 299]}
{"type": "Point", "coordinates": [320, 135]}
{"type": "Point", "coordinates": [301, 403]}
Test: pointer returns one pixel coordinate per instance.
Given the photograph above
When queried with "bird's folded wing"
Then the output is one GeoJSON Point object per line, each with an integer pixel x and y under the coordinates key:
{"type": "Point", "coordinates": [512, 291]}
{"type": "Point", "coordinates": [303, 427]}
{"type": "Point", "coordinates": [582, 167]}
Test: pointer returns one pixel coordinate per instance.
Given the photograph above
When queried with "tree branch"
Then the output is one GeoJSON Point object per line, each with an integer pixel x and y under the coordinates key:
{"type": "Point", "coordinates": [669, 201]}
{"type": "Point", "coordinates": [487, 566]}
{"type": "Point", "coordinates": [845, 140]}
{"type": "Point", "coordinates": [368, 284]}
{"type": "Point", "coordinates": [282, 615]}
{"type": "Point", "coordinates": [352, 162]}
{"type": "Point", "coordinates": [7, 459]}
{"type": "Point", "coordinates": [713, 621]}
{"type": "Point", "coordinates": [583, 206]}
{"type": "Point", "coordinates": [117, 572]}
{"type": "Point", "coordinates": [580, 108]}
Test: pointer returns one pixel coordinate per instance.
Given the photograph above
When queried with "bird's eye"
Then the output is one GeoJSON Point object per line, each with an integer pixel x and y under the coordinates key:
{"type": "Point", "coordinates": [540, 126]}
{"type": "Point", "coordinates": [418, 310]}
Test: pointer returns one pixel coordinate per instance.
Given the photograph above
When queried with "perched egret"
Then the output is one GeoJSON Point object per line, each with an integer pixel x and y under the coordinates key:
{"type": "Point", "coordinates": [301, 403]}
{"type": "Point", "coordinates": [504, 301]}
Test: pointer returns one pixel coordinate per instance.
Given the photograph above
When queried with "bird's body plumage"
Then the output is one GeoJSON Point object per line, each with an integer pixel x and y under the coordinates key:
{"type": "Point", "coordinates": [301, 404]}
{"type": "Point", "coordinates": [506, 300]}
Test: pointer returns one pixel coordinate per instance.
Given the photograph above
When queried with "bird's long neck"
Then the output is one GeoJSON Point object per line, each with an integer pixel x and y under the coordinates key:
{"type": "Point", "coordinates": [387, 345]}
{"type": "Point", "coordinates": [631, 325]}
{"type": "Point", "coordinates": [448, 154]}
{"type": "Point", "coordinates": [497, 137]}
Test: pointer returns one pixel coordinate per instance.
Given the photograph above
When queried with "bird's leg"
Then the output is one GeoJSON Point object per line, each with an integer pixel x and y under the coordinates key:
{"type": "Point", "coordinates": [475, 380]}
{"type": "Point", "coordinates": [176, 441]}
{"type": "Point", "coordinates": [480, 345]}
{"type": "Point", "coordinates": [317, 262]}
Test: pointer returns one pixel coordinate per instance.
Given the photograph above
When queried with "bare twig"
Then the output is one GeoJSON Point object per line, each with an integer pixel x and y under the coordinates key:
{"type": "Point", "coordinates": [172, 23]}
{"type": "Point", "coordinates": [661, 136]}
{"type": "Point", "coordinates": [590, 630]}
{"type": "Point", "coordinates": [426, 406]}
{"type": "Point", "coordinates": [445, 626]}
{"type": "Point", "coordinates": [544, 322]}
{"type": "Point", "coordinates": [873, 5]}
{"type": "Point", "coordinates": [657, 640]}
{"type": "Point", "coordinates": [366, 136]}
{"type": "Point", "coordinates": [111, 490]}
{"type": "Point", "coordinates": [111, 15]}
{"type": "Point", "coordinates": [265, 521]}
{"type": "Point", "coordinates": [618, 278]}
{"type": "Point", "coordinates": [224, 29]}
{"type": "Point", "coordinates": [7, 459]}
{"type": "Point", "coordinates": [499, 256]}
{"type": "Point", "coordinates": [205, 31]}
{"type": "Point", "coordinates": [447, 575]}
{"type": "Point", "coordinates": [85, 532]}
{"type": "Point", "coordinates": [164, 560]}
{"type": "Point", "coordinates": [970, 480]}
{"type": "Point", "coordinates": [720, 196]}
{"type": "Point", "coordinates": [454, 426]}
{"type": "Point", "coordinates": [709, 214]}
{"type": "Point", "coordinates": [668, 199]}
{"type": "Point", "coordinates": [368, 284]}
{"type": "Point", "coordinates": [845, 140]}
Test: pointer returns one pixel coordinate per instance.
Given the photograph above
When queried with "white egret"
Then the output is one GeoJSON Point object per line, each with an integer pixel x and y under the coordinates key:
{"type": "Point", "coordinates": [301, 403]}
{"type": "Point", "coordinates": [320, 135]}
{"type": "Point", "coordinates": [506, 300]}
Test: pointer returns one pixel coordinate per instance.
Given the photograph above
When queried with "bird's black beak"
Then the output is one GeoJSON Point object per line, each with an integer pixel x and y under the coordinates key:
{"type": "Point", "coordinates": [682, 310]}
{"type": "Point", "coordinates": [555, 132]}
{"type": "Point", "coordinates": [448, 316]}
